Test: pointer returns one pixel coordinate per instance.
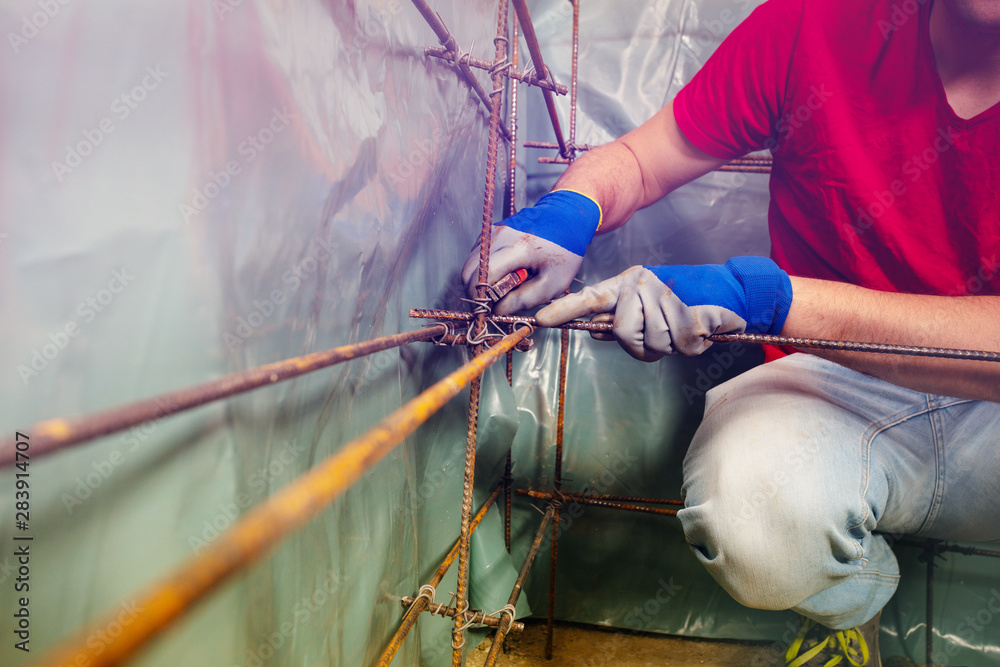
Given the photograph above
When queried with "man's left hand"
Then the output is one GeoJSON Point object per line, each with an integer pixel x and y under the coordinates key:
{"type": "Point", "coordinates": [661, 310]}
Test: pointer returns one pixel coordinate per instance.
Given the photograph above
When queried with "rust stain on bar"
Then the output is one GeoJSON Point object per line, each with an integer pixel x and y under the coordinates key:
{"type": "Point", "coordinates": [522, 576]}
{"type": "Point", "coordinates": [261, 530]}
{"type": "Point", "coordinates": [55, 434]}
{"type": "Point", "coordinates": [413, 613]}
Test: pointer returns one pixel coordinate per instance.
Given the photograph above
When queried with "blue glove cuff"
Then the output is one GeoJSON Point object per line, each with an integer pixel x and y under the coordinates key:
{"type": "Point", "coordinates": [768, 293]}
{"type": "Point", "coordinates": [752, 287]}
{"type": "Point", "coordinates": [564, 217]}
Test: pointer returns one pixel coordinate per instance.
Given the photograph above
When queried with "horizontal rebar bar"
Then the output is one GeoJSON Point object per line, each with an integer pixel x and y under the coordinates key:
{"type": "Point", "coordinates": [55, 434]}
{"type": "Point", "coordinates": [755, 339]}
{"type": "Point", "coordinates": [626, 499]}
{"type": "Point", "coordinates": [450, 44]}
{"type": "Point", "coordinates": [952, 548]}
{"type": "Point", "coordinates": [475, 616]}
{"type": "Point", "coordinates": [413, 613]}
{"type": "Point", "coordinates": [587, 500]}
{"type": "Point", "coordinates": [741, 168]}
{"type": "Point", "coordinates": [552, 145]}
{"type": "Point", "coordinates": [528, 30]}
{"type": "Point", "coordinates": [525, 77]}
{"type": "Point", "coordinates": [261, 530]}
{"type": "Point", "coordinates": [522, 576]}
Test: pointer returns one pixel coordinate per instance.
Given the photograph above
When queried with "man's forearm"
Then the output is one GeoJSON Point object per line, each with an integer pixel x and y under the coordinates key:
{"type": "Point", "coordinates": [824, 309]}
{"type": "Point", "coordinates": [637, 169]}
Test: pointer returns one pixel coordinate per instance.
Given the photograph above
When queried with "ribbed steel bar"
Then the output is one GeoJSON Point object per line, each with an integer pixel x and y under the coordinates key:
{"type": "Point", "coordinates": [449, 43]}
{"type": "Point", "coordinates": [500, 43]}
{"type": "Point", "coordinates": [513, 73]}
{"type": "Point", "coordinates": [260, 531]}
{"type": "Point", "coordinates": [55, 434]}
{"type": "Point", "coordinates": [951, 548]}
{"type": "Point", "coordinates": [563, 359]}
{"type": "Point", "coordinates": [557, 482]}
{"type": "Point", "coordinates": [475, 616]}
{"type": "Point", "coordinates": [740, 168]}
{"type": "Point", "coordinates": [588, 500]}
{"type": "Point", "coordinates": [510, 210]}
{"type": "Point", "coordinates": [756, 339]}
{"type": "Point", "coordinates": [628, 499]}
{"type": "Point", "coordinates": [413, 611]}
{"type": "Point", "coordinates": [929, 554]}
{"type": "Point", "coordinates": [522, 576]}
{"type": "Point", "coordinates": [524, 17]}
{"type": "Point", "coordinates": [550, 144]}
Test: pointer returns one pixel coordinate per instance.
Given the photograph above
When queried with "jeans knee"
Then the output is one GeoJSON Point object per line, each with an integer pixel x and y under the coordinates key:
{"type": "Point", "coordinates": [764, 546]}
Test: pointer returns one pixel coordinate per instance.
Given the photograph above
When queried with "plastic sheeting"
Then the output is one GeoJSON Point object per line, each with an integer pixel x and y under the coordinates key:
{"type": "Point", "coordinates": [191, 189]}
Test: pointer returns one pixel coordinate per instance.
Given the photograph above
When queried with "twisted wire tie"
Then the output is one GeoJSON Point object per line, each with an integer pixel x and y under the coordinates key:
{"type": "Point", "coordinates": [426, 591]}
{"type": "Point", "coordinates": [509, 611]}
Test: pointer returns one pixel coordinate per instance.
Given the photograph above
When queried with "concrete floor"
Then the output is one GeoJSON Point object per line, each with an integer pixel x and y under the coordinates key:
{"type": "Point", "coordinates": [587, 646]}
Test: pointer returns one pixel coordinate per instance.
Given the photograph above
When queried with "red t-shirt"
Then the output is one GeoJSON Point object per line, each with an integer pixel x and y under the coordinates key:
{"type": "Point", "coordinates": [875, 180]}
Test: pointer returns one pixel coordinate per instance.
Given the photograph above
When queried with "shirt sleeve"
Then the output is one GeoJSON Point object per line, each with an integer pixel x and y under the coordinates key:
{"type": "Point", "coordinates": [733, 105]}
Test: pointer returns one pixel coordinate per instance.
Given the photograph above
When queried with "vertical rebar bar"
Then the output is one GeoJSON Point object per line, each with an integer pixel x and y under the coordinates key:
{"type": "Point", "coordinates": [511, 209]}
{"type": "Point", "coordinates": [563, 359]}
{"type": "Point", "coordinates": [522, 576]}
{"type": "Point", "coordinates": [929, 641]}
{"type": "Point", "coordinates": [418, 606]}
{"type": "Point", "coordinates": [478, 326]}
{"type": "Point", "coordinates": [521, 8]}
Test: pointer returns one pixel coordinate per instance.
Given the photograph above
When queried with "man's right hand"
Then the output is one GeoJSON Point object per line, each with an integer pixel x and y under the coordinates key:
{"type": "Point", "coordinates": [548, 239]}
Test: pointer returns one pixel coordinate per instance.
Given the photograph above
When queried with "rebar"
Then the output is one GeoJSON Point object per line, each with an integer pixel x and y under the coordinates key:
{"type": "Point", "coordinates": [589, 500]}
{"type": "Point", "coordinates": [449, 43]}
{"type": "Point", "coordinates": [755, 339]}
{"type": "Point", "coordinates": [500, 43]}
{"type": "Point", "coordinates": [55, 434]}
{"type": "Point", "coordinates": [510, 210]}
{"type": "Point", "coordinates": [513, 73]}
{"type": "Point", "coordinates": [261, 530]}
{"type": "Point", "coordinates": [474, 616]}
{"type": "Point", "coordinates": [413, 611]}
{"type": "Point", "coordinates": [524, 17]}
{"type": "Point", "coordinates": [549, 144]}
{"type": "Point", "coordinates": [522, 576]}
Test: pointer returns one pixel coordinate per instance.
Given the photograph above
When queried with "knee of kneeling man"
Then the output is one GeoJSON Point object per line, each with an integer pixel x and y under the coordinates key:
{"type": "Point", "coordinates": [752, 556]}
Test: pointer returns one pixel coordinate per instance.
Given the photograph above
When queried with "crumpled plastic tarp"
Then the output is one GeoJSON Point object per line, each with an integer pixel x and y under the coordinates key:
{"type": "Point", "coordinates": [192, 189]}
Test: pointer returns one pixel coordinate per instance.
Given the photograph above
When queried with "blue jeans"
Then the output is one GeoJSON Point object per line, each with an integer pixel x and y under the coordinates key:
{"type": "Point", "coordinates": [798, 461]}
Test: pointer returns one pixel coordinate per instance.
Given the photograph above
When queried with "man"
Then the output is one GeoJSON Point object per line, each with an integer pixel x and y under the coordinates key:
{"type": "Point", "coordinates": [884, 124]}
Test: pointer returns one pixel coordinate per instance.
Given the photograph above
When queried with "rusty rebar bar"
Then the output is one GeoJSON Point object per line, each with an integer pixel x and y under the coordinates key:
{"type": "Point", "coordinates": [474, 616]}
{"type": "Point", "coordinates": [528, 29]}
{"type": "Point", "coordinates": [740, 168]}
{"type": "Point", "coordinates": [260, 531]}
{"type": "Point", "coordinates": [552, 145]}
{"type": "Point", "coordinates": [587, 500]}
{"type": "Point", "coordinates": [755, 339]}
{"type": "Point", "coordinates": [950, 548]}
{"type": "Point", "coordinates": [449, 43]}
{"type": "Point", "coordinates": [55, 434]}
{"type": "Point", "coordinates": [627, 499]}
{"type": "Point", "coordinates": [414, 610]}
{"type": "Point", "coordinates": [557, 484]}
{"type": "Point", "coordinates": [522, 576]}
{"type": "Point", "coordinates": [513, 73]}
{"type": "Point", "coordinates": [500, 43]}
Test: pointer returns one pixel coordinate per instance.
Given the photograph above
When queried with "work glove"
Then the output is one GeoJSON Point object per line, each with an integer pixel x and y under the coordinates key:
{"type": "Point", "coordinates": [661, 310]}
{"type": "Point", "coordinates": [548, 239]}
